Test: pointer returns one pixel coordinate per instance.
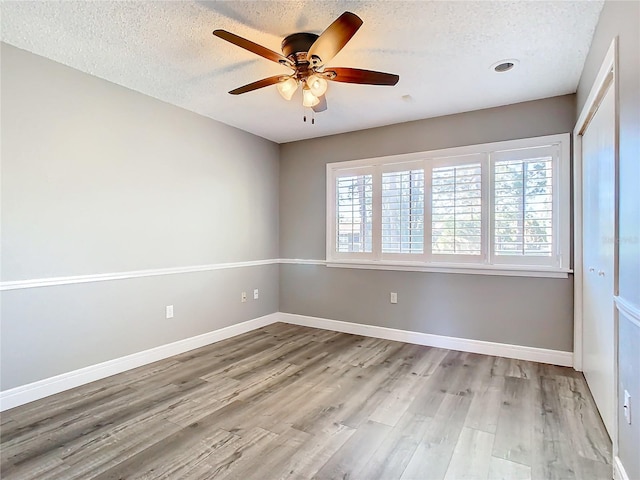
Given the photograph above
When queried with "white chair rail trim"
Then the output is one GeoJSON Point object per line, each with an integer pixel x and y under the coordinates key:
{"type": "Point", "coordinates": [630, 311]}
{"type": "Point", "coordinates": [405, 266]}
{"type": "Point", "coordinates": [103, 277]}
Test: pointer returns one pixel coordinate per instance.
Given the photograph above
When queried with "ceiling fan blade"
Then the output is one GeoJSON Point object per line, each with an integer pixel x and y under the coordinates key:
{"type": "Point", "coordinates": [331, 41]}
{"type": "Point", "coordinates": [265, 82]}
{"type": "Point", "coordinates": [367, 77]}
{"type": "Point", "coordinates": [322, 106]}
{"type": "Point", "coordinates": [253, 47]}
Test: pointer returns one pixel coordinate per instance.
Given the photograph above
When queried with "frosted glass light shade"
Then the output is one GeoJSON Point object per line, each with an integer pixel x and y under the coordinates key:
{"type": "Point", "coordinates": [287, 88]}
{"type": "Point", "coordinates": [308, 98]}
{"type": "Point", "coordinates": [317, 85]}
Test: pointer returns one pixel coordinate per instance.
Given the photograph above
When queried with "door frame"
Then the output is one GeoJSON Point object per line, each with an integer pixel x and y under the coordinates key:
{"type": "Point", "coordinates": [607, 78]}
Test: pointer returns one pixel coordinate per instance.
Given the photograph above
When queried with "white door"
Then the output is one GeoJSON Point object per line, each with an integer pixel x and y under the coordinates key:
{"type": "Point", "coordinates": [598, 261]}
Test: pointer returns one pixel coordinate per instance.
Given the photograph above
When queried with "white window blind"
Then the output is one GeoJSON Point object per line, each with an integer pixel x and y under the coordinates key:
{"type": "Point", "coordinates": [354, 200]}
{"type": "Point", "coordinates": [456, 210]}
{"type": "Point", "coordinates": [523, 207]}
{"type": "Point", "coordinates": [403, 212]}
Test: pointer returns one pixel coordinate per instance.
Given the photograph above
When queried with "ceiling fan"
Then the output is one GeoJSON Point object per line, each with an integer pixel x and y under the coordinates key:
{"type": "Point", "coordinates": [307, 55]}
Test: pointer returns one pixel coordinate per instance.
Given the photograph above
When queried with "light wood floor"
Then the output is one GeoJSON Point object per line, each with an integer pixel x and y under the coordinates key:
{"type": "Point", "coordinates": [294, 402]}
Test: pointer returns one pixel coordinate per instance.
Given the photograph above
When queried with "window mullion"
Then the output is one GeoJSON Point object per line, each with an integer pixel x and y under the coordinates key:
{"type": "Point", "coordinates": [524, 205]}
{"type": "Point", "coordinates": [428, 175]}
{"type": "Point", "coordinates": [487, 232]}
{"type": "Point", "coordinates": [376, 227]}
{"type": "Point", "coordinates": [558, 197]}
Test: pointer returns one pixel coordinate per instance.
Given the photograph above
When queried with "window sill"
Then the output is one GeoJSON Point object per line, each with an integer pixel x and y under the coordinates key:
{"type": "Point", "coordinates": [467, 269]}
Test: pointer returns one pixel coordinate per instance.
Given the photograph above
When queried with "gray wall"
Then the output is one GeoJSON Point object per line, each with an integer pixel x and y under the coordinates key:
{"type": "Point", "coordinates": [536, 312]}
{"type": "Point", "coordinates": [96, 179]}
{"type": "Point", "coordinates": [622, 19]}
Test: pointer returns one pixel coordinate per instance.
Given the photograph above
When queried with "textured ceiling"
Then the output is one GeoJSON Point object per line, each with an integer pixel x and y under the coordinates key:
{"type": "Point", "coordinates": [442, 50]}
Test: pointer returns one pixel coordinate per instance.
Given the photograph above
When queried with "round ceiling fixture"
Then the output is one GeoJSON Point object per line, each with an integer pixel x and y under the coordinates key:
{"type": "Point", "coordinates": [504, 65]}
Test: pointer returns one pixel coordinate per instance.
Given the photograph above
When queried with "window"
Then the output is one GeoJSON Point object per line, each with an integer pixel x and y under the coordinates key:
{"type": "Point", "coordinates": [403, 211]}
{"type": "Point", "coordinates": [456, 210]}
{"type": "Point", "coordinates": [354, 209]}
{"type": "Point", "coordinates": [500, 206]}
{"type": "Point", "coordinates": [523, 207]}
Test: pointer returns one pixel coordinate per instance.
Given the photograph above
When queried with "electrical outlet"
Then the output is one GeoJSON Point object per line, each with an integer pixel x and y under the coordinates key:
{"type": "Point", "coordinates": [243, 297]}
{"type": "Point", "coordinates": [627, 406]}
{"type": "Point", "coordinates": [255, 294]}
{"type": "Point", "coordinates": [393, 297]}
{"type": "Point", "coordinates": [169, 311]}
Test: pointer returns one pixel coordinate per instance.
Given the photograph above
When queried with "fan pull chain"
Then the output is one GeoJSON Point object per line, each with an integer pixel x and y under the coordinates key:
{"type": "Point", "coordinates": [313, 118]}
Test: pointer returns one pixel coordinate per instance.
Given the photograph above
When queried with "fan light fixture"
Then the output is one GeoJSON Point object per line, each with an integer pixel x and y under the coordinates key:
{"type": "Point", "coordinates": [287, 88]}
{"type": "Point", "coordinates": [307, 55]}
{"type": "Point", "coordinates": [317, 85]}
{"type": "Point", "coordinates": [308, 98]}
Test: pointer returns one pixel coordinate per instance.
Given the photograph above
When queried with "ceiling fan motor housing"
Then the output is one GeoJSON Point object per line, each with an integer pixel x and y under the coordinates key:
{"type": "Point", "coordinates": [296, 44]}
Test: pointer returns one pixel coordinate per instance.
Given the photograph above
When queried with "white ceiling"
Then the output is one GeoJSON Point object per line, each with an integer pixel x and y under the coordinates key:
{"type": "Point", "coordinates": [442, 50]}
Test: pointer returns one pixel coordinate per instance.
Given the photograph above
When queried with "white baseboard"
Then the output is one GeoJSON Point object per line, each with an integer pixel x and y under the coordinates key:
{"type": "Point", "coordinates": [619, 473]}
{"type": "Point", "coordinates": [49, 386]}
{"type": "Point", "coordinates": [542, 355]}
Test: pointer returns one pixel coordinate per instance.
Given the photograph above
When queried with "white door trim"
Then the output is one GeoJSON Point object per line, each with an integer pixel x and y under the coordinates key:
{"type": "Point", "coordinates": [607, 76]}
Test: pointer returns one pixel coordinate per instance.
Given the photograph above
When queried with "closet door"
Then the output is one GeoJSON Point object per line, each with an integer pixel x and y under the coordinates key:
{"type": "Point", "coordinates": [598, 262]}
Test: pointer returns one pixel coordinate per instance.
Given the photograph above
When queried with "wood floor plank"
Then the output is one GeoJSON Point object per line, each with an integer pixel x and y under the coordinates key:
{"type": "Point", "coordinates": [315, 452]}
{"type": "Point", "coordinates": [92, 458]}
{"type": "Point", "coordinates": [472, 456]}
{"type": "Point", "coordinates": [397, 396]}
{"type": "Point", "coordinates": [500, 367]}
{"type": "Point", "coordinates": [587, 432]}
{"type": "Point", "coordinates": [484, 410]}
{"type": "Point", "coordinates": [393, 455]}
{"type": "Point", "coordinates": [513, 440]}
{"type": "Point", "coordinates": [48, 465]}
{"type": "Point", "coordinates": [247, 366]}
{"type": "Point", "coordinates": [553, 453]}
{"type": "Point", "coordinates": [355, 453]}
{"type": "Point", "coordinates": [587, 469]}
{"type": "Point", "coordinates": [180, 440]}
{"type": "Point", "coordinates": [58, 408]}
{"type": "Point", "coordinates": [334, 401]}
{"type": "Point", "coordinates": [228, 346]}
{"type": "Point", "coordinates": [433, 454]}
{"type": "Point", "coordinates": [291, 402]}
{"type": "Point", "coordinates": [228, 460]}
{"type": "Point", "coordinates": [62, 432]}
{"type": "Point", "coordinates": [500, 469]}
{"type": "Point", "coordinates": [458, 373]}
{"type": "Point", "coordinates": [370, 387]}
{"type": "Point", "coordinates": [272, 457]}
{"type": "Point", "coordinates": [429, 397]}
{"type": "Point", "coordinates": [522, 369]}
{"type": "Point", "coordinates": [378, 352]}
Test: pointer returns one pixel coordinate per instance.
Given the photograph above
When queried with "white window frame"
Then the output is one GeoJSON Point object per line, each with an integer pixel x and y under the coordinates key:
{"type": "Point", "coordinates": [554, 151]}
{"type": "Point", "coordinates": [457, 160]}
{"type": "Point", "coordinates": [557, 266]}
{"type": "Point", "coordinates": [389, 168]}
{"type": "Point", "coordinates": [375, 240]}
